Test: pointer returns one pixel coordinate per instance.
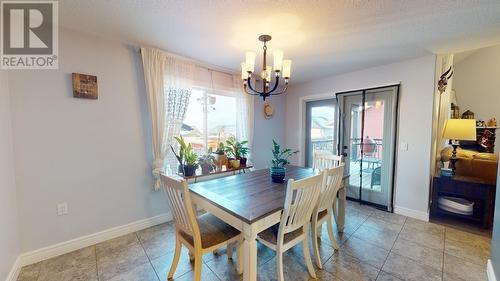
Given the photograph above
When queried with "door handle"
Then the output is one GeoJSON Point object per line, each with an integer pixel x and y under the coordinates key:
{"type": "Point", "coordinates": [344, 154]}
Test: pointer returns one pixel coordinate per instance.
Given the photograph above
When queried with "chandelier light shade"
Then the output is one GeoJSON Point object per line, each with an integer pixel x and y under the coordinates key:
{"type": "Point", "coordinates": [281, 68]}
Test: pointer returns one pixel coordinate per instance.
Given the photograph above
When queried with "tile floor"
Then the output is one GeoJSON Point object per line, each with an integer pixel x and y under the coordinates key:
{"type": "Point", "coordinates": [375, 246]}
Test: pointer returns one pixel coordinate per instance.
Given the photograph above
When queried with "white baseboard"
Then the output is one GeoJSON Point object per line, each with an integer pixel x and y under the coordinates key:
{"type": "Point", "coordinates": [89, 240]}
{"type": "Point", "coordinates": [490, 271]}
{"type": "Point", "coordinates": [14, 272]}
{"type": "Point", "coordinates": [419, 215]}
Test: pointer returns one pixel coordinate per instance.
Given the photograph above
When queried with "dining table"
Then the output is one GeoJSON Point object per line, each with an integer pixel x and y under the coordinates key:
{"type": "Point", "coordinates": [251, 203]}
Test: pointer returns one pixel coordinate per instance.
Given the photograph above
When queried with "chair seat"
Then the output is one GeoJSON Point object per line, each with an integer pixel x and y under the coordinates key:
{"type": "Point", "coordinates": [270, 235]}
{"type": "Point", "coordinates": [213, 231]}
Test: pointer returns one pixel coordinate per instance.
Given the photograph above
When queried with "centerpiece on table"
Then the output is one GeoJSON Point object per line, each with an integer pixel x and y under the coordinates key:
{"type": "Point", "coordinates": [188, 159]}
{"type": "Point", "coordinates": [280, 160]}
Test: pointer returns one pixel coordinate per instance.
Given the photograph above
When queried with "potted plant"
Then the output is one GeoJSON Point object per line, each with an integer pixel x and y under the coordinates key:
{"type": "Point", "coordinates": [220, 155]}
{"type": "Point", "coordinates": [233, 150]}
{"type": "Point", "coordinates": [243, 152]}
{"type": "Point", "coordinates": [280, 160]}
{"type": "Point", "coordinates": [190, 161]}
{"type": "Point", "coordinates": [187, 157]}
{"type": "Point", "coordinates": [207, 162]}
{"type": "Point", "coordinates": [180, 155]}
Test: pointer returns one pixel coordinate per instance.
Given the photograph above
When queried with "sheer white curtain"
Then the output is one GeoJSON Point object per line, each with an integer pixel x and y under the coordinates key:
{"type": "Point", "coordinates": [168, 85]}
{"type": "Point", "coordinates": [244, 113]}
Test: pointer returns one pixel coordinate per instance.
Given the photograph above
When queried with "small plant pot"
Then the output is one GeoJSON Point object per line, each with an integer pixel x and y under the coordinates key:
{"type": "Point", "coordinates": [206, 169]}
{"type": "Point", "coordinates": [278, 174]}
{"type": "Point", "coordinates": [235, 164]}
{"type": "Point", "coordinates": [189, 170]}
{"type": "Point", "coordinates": [220, 160]}
{"type": "Point", "coordinates": [243, 161]}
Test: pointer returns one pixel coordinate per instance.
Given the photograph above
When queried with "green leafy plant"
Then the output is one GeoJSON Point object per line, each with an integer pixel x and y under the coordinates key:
{"type": "Point", "coordinates": [186, 155]}
{"type": "Point", "coordinates": [235, 148]}
{"type": "Point", "coordinates": [207, 162]}
{"type": "Point", "coordinates": [220, 149]}
{"type": "Point", "coordinates": [281, 155]}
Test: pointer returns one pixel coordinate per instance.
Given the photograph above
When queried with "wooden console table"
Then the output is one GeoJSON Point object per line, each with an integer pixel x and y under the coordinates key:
{"type": "Point", "coordinates": [481, 192]}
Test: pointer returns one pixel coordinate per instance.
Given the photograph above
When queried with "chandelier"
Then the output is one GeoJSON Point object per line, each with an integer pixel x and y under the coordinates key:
{"type": "Point", "coordinates": [281, 68]}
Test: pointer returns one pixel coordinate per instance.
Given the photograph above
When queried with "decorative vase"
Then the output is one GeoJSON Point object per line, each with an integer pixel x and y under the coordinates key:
{"type": "Point", "coordinates": [278, 174]}
{"type": "Point", "coordinates": [235, 163]}
{"type": "Point", "coordinates": [189, 170]}
{"type": "Point", "coordinates": [243, 161]}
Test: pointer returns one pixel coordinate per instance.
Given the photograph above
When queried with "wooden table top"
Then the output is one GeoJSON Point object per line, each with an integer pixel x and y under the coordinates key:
{"type": "Point", "coordinates": [249, 196]}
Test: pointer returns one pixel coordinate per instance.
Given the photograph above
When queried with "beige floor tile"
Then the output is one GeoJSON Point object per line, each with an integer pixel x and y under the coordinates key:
{"type": "Point", "coordinates": [121, 261]}
{"type": "Point", "coordinates": [112, 246]}
{"type": "Point", "coordinates": [468, 238]}
{"type": "Point", "coordinates": [382, 237]}
{"type": "Point", "coordinates": [426, 239]}
{"type": "Point", "coordinates": [162, 264]}
{"type": "Point", "coordinates": [225, 268]}
{"type": "Point", "coordinates": [71, 264]}
{"type": "Point", "coordinates": [408, 269]}
{"type": "Point", "coordinates": [425, 226]}
{"type": "Point", "coordinates": [143, 272]}
{"type": "Point", "coordinates": [377, 223]}
{"type": "Point", "coordinates": [349, 268]}
{"type": "Point", "coordinates": [206, 275]}
{"type": "Point", "coordinates": [294, 267]}
{"type": "Point", "coordinates": [389, 217]}
{"type": "Point", "coordinates": [384, 276]}
{"type": "Point", "coordinates": [29, 272]}
{"type": "Point", "coordinates": [418, 253]}
{"type": "Point", "coordinates": [325, 276]}
{"type": "Point", "coordinates": [477, 255]}
{"type": "Point", "coordinates": [365, 252]}
{"type": "Point", "coordinates": [460, 270]}
{"type": "Point", "coordinates": [158, 240]}
{"type": "Point", "coordinates": [86, 272]}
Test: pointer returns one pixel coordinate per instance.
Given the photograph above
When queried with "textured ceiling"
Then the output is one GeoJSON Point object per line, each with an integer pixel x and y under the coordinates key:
{"type": "Point", "coordinates": [321, 37]}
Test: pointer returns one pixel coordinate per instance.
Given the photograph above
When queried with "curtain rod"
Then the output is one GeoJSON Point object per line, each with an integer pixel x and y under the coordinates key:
{"type": "Point", "coordinates": [200, 64]}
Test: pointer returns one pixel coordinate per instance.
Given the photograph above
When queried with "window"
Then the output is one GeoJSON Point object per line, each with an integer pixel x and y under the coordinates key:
{"type": "Point", "coordinates": [210, 118]}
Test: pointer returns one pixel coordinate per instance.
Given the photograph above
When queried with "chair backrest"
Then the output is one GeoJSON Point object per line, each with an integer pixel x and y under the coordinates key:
{"type": "Point", "coordinates": [177, 194]}
{"type": "Point", "coordinates": [331, 185]}
{"type": "Point", "coordinates": [300, 201]}
{"type": "Point", "coordinates": [325, 160]}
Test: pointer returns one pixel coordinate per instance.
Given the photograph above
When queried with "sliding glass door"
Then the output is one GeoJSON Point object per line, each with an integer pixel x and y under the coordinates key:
{"type": "Point", "coordinates": [320, 128]}
{"type": "Point", "coordinates": [367, 138]}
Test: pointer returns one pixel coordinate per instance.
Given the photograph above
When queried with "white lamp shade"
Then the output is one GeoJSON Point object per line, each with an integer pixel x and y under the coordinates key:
{"type": "Point", "coordinates": [244, 73]}
{"type": "Point", "coordinates": [460, 129]}
{"type": "Point", "coordinates": [287, 67]}
{"type": "Point", "coordinates": [250, 61]}
{"type": "Point", "coordinates": [278, 59]}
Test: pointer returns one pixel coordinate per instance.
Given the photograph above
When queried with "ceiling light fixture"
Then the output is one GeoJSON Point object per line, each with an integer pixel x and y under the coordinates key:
{"type": "Point", "coordinates": [281, 68]}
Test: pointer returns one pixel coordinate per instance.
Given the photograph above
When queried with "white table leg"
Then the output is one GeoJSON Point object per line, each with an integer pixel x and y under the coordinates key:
{"type": "Point", "coordinates": [250, 253]}
{"type": "Point", "coordinates": [341, 209]}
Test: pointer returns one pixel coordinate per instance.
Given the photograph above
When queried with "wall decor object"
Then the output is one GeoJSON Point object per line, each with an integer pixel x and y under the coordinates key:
{"type": "Point", "coordinates": [84, 86]}
{"type": "Point", "coordinates": [455, 111]}
{"type": "Point", "coordinates": [492, 122]}
{"type": "Point", "coordinates": [468, 115]}
{"type": "Point", "coordinates": [268, 110]}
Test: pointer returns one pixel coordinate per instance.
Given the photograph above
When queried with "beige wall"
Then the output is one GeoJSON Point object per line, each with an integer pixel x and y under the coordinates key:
{"type": "Point", "coordinates": [9, 243]}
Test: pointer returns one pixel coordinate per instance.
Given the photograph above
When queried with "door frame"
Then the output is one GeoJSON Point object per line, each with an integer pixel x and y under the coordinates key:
{"type": "Point", "coordinates": [340, 115]}
{"type": "Point", "coordinates": [308, 105]}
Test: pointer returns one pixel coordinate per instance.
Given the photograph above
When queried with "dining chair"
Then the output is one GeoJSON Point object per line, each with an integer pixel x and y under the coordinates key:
{"type": "Point", "coordinates": [324, 160]}
{"type": "Point", "coordinates": [200, 234]}
{"type": "Point", "coordinates": [323, 211]}
{"type": "Point", "coordinates": [300, 201]}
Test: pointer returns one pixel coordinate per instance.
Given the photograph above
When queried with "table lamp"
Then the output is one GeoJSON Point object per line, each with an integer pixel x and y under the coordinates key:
{"type": "Point", "coordinates": [456, 130]}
